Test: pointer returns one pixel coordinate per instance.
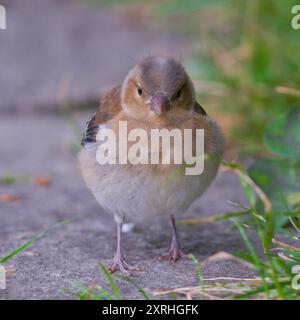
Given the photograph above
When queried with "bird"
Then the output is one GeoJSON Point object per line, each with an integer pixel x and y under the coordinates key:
{"type": "Point", "coordinates": [157, 93]}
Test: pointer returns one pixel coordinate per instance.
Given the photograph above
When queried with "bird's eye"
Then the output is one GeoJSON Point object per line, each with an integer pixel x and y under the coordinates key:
{"type": "Point", "coordinates": [178, 94]}
{"type": "Point", "coordinates": [139, 91]}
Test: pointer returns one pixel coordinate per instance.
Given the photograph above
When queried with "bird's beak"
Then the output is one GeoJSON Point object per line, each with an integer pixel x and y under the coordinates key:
{"type": "Point", "coordinates": [160, 103]}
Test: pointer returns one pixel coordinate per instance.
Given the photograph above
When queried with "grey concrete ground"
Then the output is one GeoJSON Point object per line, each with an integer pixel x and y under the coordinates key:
{"type": "Point", "coordinates": [91, 47]}
{"type": "Point", "coordinates": [34, 58]}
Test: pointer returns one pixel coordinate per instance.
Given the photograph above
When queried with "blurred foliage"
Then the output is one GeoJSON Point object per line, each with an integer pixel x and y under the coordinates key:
{"type": "Point", "coordinates": [279, 175]}
{"type": "Point", "coordinates": [247, 50]}
{"type": "Point", "coordinates": [283, 135]}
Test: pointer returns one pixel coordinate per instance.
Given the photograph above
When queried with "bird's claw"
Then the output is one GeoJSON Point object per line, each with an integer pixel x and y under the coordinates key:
{"type": "Point", "coordinates": [119, 264]}
{"type": "Point", "coordinates": [174, 254]}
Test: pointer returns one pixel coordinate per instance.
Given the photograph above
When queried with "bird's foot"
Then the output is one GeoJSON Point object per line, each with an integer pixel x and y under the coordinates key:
{"type": "Point", "coordinates": [119, 264]}
{"type": "Point", "coordinates": [174, 254]}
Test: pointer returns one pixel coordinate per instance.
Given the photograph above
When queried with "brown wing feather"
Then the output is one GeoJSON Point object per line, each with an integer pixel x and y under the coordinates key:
{"type": "Point", "coordinates": [109, 107]}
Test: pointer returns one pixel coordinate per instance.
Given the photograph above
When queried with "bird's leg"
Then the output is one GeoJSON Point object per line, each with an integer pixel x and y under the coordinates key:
{"type": "Point", "coordinates": [119, 262]}
{"type": "Point", "coordinates": [174, 252]}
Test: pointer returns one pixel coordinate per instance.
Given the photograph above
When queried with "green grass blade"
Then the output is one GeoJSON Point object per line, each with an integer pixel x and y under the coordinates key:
{"type": "Point", "coordinates": [31, 241]}
{"type": "Point", "coordinates": [132, 282]}
{"type": "Point", "coordinates": [112, 283]}
{"type": "Point", "coordinates": [105, 293]}
{"type": "Point", "coordinates": [252, 251]}
{"type": "Point", "coordinates": [200, 275]}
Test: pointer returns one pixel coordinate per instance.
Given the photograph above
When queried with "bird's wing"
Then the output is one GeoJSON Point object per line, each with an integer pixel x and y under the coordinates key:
{"type": "Point", "coordinates": [90, 131]}
{"type": "Point", "coordinates": [199, 109]}
{"type": "Point", "coordinates": [110, 106]}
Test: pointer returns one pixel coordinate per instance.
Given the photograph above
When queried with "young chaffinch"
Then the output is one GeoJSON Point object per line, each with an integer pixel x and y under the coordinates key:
{"type": "Point", "coordinates": [156, 94]}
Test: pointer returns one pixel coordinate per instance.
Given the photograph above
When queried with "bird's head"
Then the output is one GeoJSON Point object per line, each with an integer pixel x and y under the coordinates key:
{"type": "Point", "coordinates": [155, 87]}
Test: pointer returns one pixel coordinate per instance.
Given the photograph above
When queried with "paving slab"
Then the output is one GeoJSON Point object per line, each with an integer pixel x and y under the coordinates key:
{"type": "Point", "coordinates": [90, 48]}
